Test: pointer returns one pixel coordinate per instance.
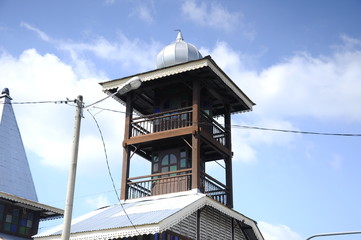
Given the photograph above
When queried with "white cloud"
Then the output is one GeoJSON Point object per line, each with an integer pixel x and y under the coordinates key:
{"type": "Point", "coordinates": [322, 87]}
{"type": "Point", "coordinates": [144, 13]}
{"type": "Point", "coordinates": [40, 33]}
{"type": "Point", "coordinates": [128, 53]}
{"type": "Point", "coordinates": [47, 129]}
{"type": "Point", "coordinates": [97, 202]}
{"type": "Point", "coordinates": [135, 53]}
{"type": "Point", "coordinates": [243, 151]}
{"type": "Point", "coordinates": [212, 15]}
{"type": "Point", "coordinates": [245, 139]}
{"type": "Point", "coordinates": [277, 232]}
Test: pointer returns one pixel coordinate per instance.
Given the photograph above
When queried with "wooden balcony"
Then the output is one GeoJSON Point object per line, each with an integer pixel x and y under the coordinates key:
{"type": "Point", "coordinates": [178, 119]}
{"type": "Point", "coordinates": [176, 181]}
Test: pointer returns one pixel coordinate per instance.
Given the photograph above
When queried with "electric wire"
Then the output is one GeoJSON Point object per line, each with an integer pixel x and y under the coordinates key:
{"type": "Point", "coordinates": [42, 102]}
{"type": "Point", "coordinates": [267, 129]}
{"type": "Point", "coordinates": [298, 131]}
{"type": "Point", "coordinates": [106, 154]}
{"type": "Point", "coordinates": [232, 126]}
{"type": "Point", "coordinates": [110, 174]}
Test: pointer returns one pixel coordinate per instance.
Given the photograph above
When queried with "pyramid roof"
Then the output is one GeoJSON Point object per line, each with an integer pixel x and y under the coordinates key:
{"type": "Point", "coordinates": [16, 178]}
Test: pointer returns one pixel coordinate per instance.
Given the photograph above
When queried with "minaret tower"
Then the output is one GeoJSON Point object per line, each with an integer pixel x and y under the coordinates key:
{"type": "Point", "coordinates": [183, 122]}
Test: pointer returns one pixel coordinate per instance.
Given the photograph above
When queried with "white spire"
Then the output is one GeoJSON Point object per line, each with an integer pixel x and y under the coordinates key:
{"type": "Point", "coordinates": [179, 36]}
{"type": "Point", "coordinates": [15, 175]}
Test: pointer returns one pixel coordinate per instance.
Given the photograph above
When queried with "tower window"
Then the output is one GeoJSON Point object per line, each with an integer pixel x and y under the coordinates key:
{"type": "Point", "coordinates": [171, 160]}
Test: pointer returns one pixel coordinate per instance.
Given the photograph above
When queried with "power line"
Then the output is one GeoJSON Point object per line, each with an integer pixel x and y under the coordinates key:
{"type": "Point", "coordinates": [42, 102]}
{"type": "Point", "coordinates": [233, 125]}
{"type": "Point", "coordinates": [110, 174]}
{"type": "Point", "coordinates": [106, 155]}
{"type": "Point", "coordinates": [297, 131]}
{"type": "Point", "coordinates": [269, 129]}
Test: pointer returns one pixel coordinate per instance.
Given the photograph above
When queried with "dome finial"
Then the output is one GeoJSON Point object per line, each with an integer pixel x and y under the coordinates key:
{"type": "Point", "coordinates": [179, 36]}
{"type": "Point", "coordinates": [177, 52]}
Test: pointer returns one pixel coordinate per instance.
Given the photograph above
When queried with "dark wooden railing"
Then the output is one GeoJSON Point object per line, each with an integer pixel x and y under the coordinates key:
{"type": "Point", "coordinates": [212, 126]}
{"type": "Point", "coordinates": [176, 181]}
{"type": "Point", "coordinates": [161, 121]}
{"type": "Point", "coordinates": [175, 119]}
{"type": "Point", "coordinates": [215, 189]}
{"type": "Point", "coordinates": [160, 183]}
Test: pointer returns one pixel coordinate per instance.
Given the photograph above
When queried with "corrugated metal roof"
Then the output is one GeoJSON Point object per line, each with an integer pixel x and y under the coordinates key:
{"type": "Point", "coordinates": [149, 216]}
{"type": "Point", "coordinates": [45, 210]}
{"type": "Point", "coordinates": [207, 64]}
{"type": "Point", "coordinates": [11, 237]}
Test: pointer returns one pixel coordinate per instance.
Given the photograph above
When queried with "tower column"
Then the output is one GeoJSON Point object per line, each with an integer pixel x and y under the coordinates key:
{"type": "Point", "coordinates": [228, 159]}
{"type": "Point", "coordinates": [126, 150]}
{"type": "Point", "coordinates": [196, 156]}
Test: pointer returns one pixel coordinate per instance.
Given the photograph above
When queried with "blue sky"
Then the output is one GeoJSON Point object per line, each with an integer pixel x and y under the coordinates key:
{"type": "Point", "coordinates": [299, 61]}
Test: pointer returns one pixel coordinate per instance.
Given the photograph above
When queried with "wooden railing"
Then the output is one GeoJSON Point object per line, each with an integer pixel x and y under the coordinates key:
{"type": "Point", "coordinates": [176, 181]}
{"type": "Point", "coordinates": [161, 121]}
{"type": "Point", "coordinates": [215, 189]}
{"type": "Point", "coordinates": [175, 119]}
{"type": "Point", "coordinates": [160, 183]}
{"type": "Point", "coordinates": [212, 126]}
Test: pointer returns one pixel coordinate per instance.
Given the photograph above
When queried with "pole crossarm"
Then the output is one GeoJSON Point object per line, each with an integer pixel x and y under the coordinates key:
{"type": "Point", "coordinates": [333, 234]}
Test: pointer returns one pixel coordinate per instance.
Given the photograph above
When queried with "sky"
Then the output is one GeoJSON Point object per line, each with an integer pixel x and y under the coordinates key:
{"type": "Point", "coordinates": [299, 61]}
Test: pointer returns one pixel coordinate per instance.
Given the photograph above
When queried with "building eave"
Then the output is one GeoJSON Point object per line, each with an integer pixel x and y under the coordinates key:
{"type": "Point", "coordinates": [206, 64]}
{"type": "Point", "coordinates": [46, 212]}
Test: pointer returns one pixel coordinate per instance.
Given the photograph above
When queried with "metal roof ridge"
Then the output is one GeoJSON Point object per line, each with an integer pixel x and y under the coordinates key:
{"type": "Point", "coordinates": [31, 203]}
{"type": "Point", "coordinates": [166, 71]}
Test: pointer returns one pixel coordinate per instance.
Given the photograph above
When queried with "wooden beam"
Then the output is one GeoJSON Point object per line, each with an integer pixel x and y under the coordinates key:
{"type": "Point", "coordinates": [217, 146]}
{"type": "Point", "coordinates": [126, 150]}
{"type": "Point", "coordinates": [160, 135]}
{"type": "Point", "coordinates": [196, 141]}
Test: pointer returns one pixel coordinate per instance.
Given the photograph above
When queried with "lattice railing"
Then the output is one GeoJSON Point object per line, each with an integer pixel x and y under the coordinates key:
{"type": "Point", "coordinates": [161, 122]}
{"type": "Point", "coordinates": [215, 189]}
{"type": "Point", "coordinates": [160, 183]}
{"type": "Point", "coordinates": [175, 119]}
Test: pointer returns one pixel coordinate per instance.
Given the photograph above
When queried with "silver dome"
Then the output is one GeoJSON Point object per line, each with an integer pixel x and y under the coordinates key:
{"type": "Point", "coordinates": [177, 52]}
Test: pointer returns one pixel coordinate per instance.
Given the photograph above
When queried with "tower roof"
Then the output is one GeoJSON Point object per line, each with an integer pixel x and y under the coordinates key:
{"type": "Point", "coordinates": [15, 175]}
{"type": "Point", "coordinates": [177, 52]}
{"type": "Point", "coordinates": [205, 69]}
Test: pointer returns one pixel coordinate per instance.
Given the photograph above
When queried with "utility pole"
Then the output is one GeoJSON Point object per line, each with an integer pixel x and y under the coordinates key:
{"type": "Point", "coordinates": [72, 173]}
{"type": "Point", "coordinates": [130, 85]}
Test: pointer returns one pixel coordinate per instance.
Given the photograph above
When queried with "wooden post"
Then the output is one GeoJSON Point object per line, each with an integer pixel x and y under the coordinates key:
{"type": "Point", "coordinates": [232, 228]}
{"type": "Point", "coordinates": [198, 230]}
{"type": "Point", "coordinates": [228, 159]}
{"type": "Point", "coordinates": [195, 137]}
{"type": "Point", "coordinates": [126, 150]}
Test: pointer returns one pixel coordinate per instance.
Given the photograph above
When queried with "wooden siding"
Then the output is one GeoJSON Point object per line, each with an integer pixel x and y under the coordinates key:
{"type": "Point", "coordinates": [213, 225]}
{"type": "Point", "coordinates": [187, 227]}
